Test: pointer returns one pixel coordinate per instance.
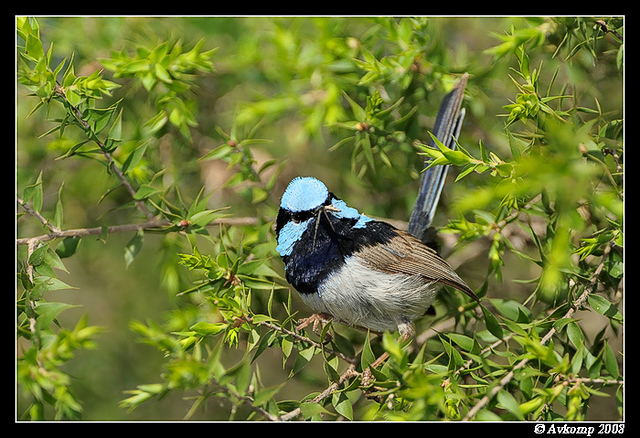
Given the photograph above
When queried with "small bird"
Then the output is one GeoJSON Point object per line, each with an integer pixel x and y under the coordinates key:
{"type": "Point", "coordinates": [360, 271]}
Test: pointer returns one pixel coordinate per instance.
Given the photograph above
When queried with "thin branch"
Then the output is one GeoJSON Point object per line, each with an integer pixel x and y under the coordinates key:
{"type": "Point", "coordinates": [38, 216]}
{"type": "Point", "coordinates": [348, 373]}
{"type": "Point", "coordinates": [29, 302]}
{"type": "Point", "coordinates": [587, 380]}
{"type": "Point", "coordinates": [96, 231]}
{"type": "Point", "coordinates": [83, 232]}
{"type": "Point", "coordinates": [248, 401]}
{"type": "Point", "coordinates": [111, 163]}
{"type": "Point", "coordinates": [234, 221]}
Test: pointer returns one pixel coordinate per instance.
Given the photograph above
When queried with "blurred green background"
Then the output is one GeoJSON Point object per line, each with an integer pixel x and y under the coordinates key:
{"type": "Point", "coordinates": [272, 71]}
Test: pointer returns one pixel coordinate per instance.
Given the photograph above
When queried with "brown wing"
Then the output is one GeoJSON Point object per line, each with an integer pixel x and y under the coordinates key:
{"type": "Point", "coordinates": [408, 255]}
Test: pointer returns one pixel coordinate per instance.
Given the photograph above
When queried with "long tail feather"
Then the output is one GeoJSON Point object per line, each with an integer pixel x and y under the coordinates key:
{"type": "Point", "coordinates": [447, 128]}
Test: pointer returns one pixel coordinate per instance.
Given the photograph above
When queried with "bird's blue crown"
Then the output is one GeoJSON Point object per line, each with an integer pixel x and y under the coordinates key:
{"type": "Point", "coordinates": [303, 194]}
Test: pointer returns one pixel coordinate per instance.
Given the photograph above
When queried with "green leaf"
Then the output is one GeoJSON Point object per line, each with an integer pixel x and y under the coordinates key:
{"type": "Point", "coordinates": [457, 158]}
{"type": "Point", "coordinates": [343, 345]}
{"type": "Point", "coordinates": [455, 358]}
{"type": "Point", "coordinates": [207, 328]}
{"type": "Point", "coordinates": [514, 146]}
{"type": "Point", "coordinates": [492, 323]}
{"type": "Point", "coordinates": [514, 327]}
{"type": "Point", "coordinates": [610, 362]}
{"type": "Point", "coordinates": [37, 256]}
{"type": "Point", "coordinates": [465, 342]}
{"type": "Point", "coordinates": [509, 403]}
{"type": "Point", "coordinates": [604, 307]}
{"type": "Point", "coordinates": [68, 246]}
{"type": "Point", "coordinates": [115, 133]}
{"type": "Point", "coordinates": [98, 118]}
{"type": "Point", "coordinates": [58, 216]}
{"type": "Point", "coordinates": [302, 359]}
{"type": "Point", "coordinates": [34, 47]}
{"type": "Point", "coordinates": [133, 247]}
{"type": "Point", "coordinates": [329, 367]}
{"type": "Point", "coordinates": [310, 409]}
{"type": "Point", "coordinates": [511, 309]}
{"type": "Point", "coordinates": [162, 74]}
{"type": "Point", "coordinates": [264, 395]}
{"type": "Point", "coordinates": [222, 151]}
{"type": "Point", "coordinates": [156, 123]}
{"type": "Point", "coordinates": [69, 77]}
{"type": "Point", "coordinates": [359, 112]}
{"type": "Point", "coordinates": [531, 405]}
{"type": "Point", "coordinates": [142, 394]}
{"type": "Point", "coordinates": [50, 283]}
{"type": "Point", "coordinates": [134, 157]}
{"type": "Point", "coordinates": [466, 171]}
{"type": "Point", "coordinates": [47, 312]}
{"type": "Point", "coordinates": [34, 191]}
{"type": "Point", "coordinates": [265, 341]}
{"type": "Point", "coordinates": [367, 357]}
{"type": "Point", "coordinates": [575, 334]}
{"type": "Point", "coordinates": [203, 218]}
{"type": "Point", "coordinates": [145, 191]}
{"type": "Point", "coordinates": [393, 346]}
{"type": "Point", "coordinates": [342, 405]}
{"type": "Point", "coordinates": [242, 374]}
{"type": "Point", "coordinates": [52, 259]}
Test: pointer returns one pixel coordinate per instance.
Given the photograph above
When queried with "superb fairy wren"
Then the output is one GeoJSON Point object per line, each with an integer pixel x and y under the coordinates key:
{"type": "Point", "coordinates": [363, 272]}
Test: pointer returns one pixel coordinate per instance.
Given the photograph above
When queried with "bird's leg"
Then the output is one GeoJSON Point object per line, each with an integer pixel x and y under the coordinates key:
{"type": "Point", "coordinates": [406, 331]}
{"type": "Point", "coordinates": [315, 319]}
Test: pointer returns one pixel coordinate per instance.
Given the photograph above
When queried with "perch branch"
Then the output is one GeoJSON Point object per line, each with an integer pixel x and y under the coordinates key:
{"type": "Point", "coordinates": [56, 233]}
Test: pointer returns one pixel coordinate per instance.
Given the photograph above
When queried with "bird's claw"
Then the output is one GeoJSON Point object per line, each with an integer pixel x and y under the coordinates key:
{"type": "Point", "coordinates": [316, 319]}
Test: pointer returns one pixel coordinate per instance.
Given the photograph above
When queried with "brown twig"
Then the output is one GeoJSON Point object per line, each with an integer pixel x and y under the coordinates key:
{"type": "Point", "coordinates": [83, 232]}
{"type": "Point", "coordinates": [96, 231]}
{"type": "Point", "coordinates": [587, 380]}
{"type": "Point", "coordinates": [110, 161]}
{"type": "Point", "coordinates": [38, 216]}
{"type": "Point", "coordinates": [349, 372]}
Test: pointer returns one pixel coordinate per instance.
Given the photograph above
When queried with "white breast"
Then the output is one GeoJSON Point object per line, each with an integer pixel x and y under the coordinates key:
{"type": "Point", "coordinates": [358, 295]}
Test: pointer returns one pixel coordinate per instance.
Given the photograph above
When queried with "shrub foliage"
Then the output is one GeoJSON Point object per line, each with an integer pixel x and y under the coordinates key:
{"type": "Point", "coordinates": [126, 132]}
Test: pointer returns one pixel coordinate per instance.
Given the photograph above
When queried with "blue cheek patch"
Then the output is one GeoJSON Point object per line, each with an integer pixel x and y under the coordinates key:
{"type": "Point", "coordinates": [289, 235]}
{"type": "Point", "coordinates": [347, 212]}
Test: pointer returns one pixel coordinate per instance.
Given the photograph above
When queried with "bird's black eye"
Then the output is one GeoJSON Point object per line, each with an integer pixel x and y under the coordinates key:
{"type": "Point", "coordinates": [300, 216]}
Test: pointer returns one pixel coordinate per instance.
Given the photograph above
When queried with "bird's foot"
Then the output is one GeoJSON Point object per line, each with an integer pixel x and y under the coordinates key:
{"type": "Point", "coordinates": [317, 319]}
